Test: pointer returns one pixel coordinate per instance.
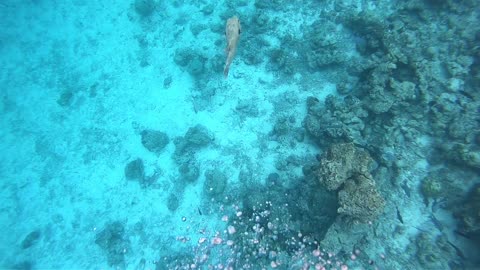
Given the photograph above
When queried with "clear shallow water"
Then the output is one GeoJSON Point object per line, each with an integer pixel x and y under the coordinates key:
{"type": "Point", "coordinates": [346, 136]}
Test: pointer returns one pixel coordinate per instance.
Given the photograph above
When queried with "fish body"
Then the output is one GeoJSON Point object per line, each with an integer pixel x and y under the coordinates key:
{"type": "Point", "coordinates": [232, 34]}
{"type": "Point", "coordinates": [399, 216]}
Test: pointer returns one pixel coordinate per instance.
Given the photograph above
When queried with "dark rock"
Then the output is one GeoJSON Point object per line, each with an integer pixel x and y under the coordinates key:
{"type": "Point", "coordinates": [65, 98]}
{"type": "Point", "coordinates": [144, 8]}
{"type": "Point", "coordinates": [23, 265]}
{"type": "Point", "coordinates": [183, 57]}
{"type": "Point", "coordinates": [215, 182]}
{"type": "Point", "coordinates": [247, 108]}
{"type": "Point", "coordinates": [189, 171]}
{"type": "Point", "coordinates": [135, 170]}
{"type": "Point", "coordinates": [172, 202]}
{"type": "Point", "coordinates": [196, 137]}
{"type": "Point", "coordinates": [273, 179]}
{"type": "Point", "coordinates": [167, 82]}
{"type": "Point", "coordinates": [154, 141]}
{"type": "Point", "coordinates": [208, 9]}
{"type": "Point", "coordinates": [196, 67]}
{"type": "Point", "coordinates": [113, 241]}
{"type": "Point", "coordinates": [31, 239]}
{"type": "Point", "coordinates": [150, 180]}
{"type": "Point", "coordinates": [281, 126]}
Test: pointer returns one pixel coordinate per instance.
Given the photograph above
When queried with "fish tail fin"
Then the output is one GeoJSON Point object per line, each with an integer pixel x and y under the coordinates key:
{"type": "Point", "coordinates": [225, 71]}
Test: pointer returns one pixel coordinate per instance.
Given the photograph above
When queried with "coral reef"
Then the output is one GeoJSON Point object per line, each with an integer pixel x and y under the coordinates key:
{"type": "Point", "coordinates": [327, 45]}
{"type": "Point", "coordinates": [401, 84]}
{"type": "Point", "coordinates": [360, 200]}
{"type": "Point", "coordinates": [464, 154]}
{"type": "Point", "coordinates": [346, 169]}
{"type": "Point", "coordinates": [434, 252]}
{"type": "Point", "coordinates": [468, 214]}
{"type": "Point", "coordinates": [392, 105]}
{"type": "Point", "coordinates": [432, 187]}
{"type": "Point", "coordinates": [342, 162]}
{"type": "Point", "coordinates": [339, 121]}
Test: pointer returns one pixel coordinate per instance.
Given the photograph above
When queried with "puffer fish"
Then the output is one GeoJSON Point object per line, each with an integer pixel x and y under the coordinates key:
{"type": "Point", "coordinates": [232, 33]}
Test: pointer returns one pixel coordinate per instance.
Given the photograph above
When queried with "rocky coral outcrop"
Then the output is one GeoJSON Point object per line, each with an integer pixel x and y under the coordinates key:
{"type": "Point", "coordinates": [215, 183]}
{"type": "Point", "coordinates": [360, 200]}
{"type": "Point", "coordinates": [114, 241]}
{"type": "Point", "coordinates": [154, 140]}
{"type": "Point", "coordinates": [346, 169]}
{"type": "Point", "coordinates": [196, 137]}
{"type": "Point", "coordinates": [145, 8]}
{"type": "Point", "coordinates": [337, 121]}
{"type": "Point", "coordinates": [327, 44]}
{"type": "Point", "coordinates": [467, 213]}
{"type": "Point", "coordinates": [433, 252]}
{"type": "Point", "coordinates": [340, 163]}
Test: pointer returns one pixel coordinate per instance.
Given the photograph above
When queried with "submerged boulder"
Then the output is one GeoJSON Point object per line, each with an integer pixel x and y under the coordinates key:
{"type": "Point", "coordinates": [360, 200]}
{"type": "Point", "coordinates": [195, 138]}
{"type": "Point", "coordinates": [215, 183]}
{"type": "Point", "coordinates": [340, 163]}
{"type": "Point", "coordinates": [144, 8]}
{"type": "Point", "coordinates": [346, 169]}
{"type": "Point", "coordinates": [135, 170]}
{"type": "Point", "coordinates": [154, 141]}
{"type": "Point", "coordinates": [114, 242]}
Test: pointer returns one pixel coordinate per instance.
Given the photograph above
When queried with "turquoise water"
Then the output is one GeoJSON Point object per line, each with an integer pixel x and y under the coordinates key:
{"type": "Point", "coordinates": [345, 136]}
